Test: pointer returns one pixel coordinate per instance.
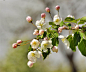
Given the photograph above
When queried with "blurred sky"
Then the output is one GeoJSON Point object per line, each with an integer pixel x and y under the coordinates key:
{"type": "Point", "coordinates": [13, 24]}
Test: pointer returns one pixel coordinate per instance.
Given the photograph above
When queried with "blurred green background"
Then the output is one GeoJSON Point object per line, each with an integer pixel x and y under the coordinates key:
{"type": "Point", "coordinates": [13, 26]}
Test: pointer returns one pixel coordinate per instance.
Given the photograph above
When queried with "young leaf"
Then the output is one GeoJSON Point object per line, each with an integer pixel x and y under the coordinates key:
{"type": "Point", "coordinates": [82, 47]}
{"type": "Point", "coordinates": [46, 53]}
{"type": "Point", "coordinates": [30, 48]}
{"type": "Point", "coordinates": [61, 24]}
{"type": "Point", "coordinates": [52, 23]}
{"type": "Point", "coordinates": [83, 19]}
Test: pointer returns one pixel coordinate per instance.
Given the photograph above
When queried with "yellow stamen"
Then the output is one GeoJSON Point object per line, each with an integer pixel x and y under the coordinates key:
{"type": "Point", "coordinates": [63, 39]}
{"type": "Point", "coordinates": [45, 45]}
{"type": "Point", "coordinates": [41, 25]}
{"type": "Point", "coordinates": [57, 20]}
{"type": "Point", "coordinates": [34, 43]}
{"type": "Point", "coordinates": [33, 54]}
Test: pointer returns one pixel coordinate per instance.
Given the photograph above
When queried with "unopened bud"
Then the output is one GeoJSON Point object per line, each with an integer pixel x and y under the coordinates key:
{"type": "Point", "coordinates": [57, 7]}
{"type": "Point", "coordinates": [77, 27]}
{"type": "Point", "coordinates": [60, 29]}
{"type": "Point", "coordinates": [63, 27]}
{"type": "Point", "coordinates": [45, 38]}
{"type": "Point", "coordinates": [55, 49]}
{"type": "Point", "coordinates": [41, 32]}
{"type": "Point", "coordinates": [43, 15]}
{"type": "Point", "coordinates": [19, 41]}
{"type": "Point", "coordinates": [29, 19]}
{"type": "Point", "coordinates": [30, 64]}
{"type": "Point", "coordinates": [36, 32]}
{"type": "Point", "coordinates": [14, 45]}
{"type": "Point", "coordinates": [47, 9]}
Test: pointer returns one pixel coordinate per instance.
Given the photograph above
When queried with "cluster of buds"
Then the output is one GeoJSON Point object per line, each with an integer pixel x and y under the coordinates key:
{"type": "Point", "coordinates": [38, 32]}
{"type": "Point", "coordinates": [14, 45]}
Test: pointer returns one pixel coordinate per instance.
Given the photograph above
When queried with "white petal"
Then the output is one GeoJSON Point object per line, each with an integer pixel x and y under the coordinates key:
{"type": "Point", "coordinates": [61, 36]}
{"type": "Point", "coordinates": [39, 27]}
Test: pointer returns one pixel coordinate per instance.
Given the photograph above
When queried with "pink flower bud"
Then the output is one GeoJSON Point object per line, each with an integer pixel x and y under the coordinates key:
{"type": "Point", "coordinates": [55, 49]}
{"type": "Point", "coordinates": [45, 38]}
{"type": "Point", "coordinates": [41, 32]}
{"type": "Point", "coordinates": [30, 64]}
{"type": "Point", "coordinates": [29, 19]}
{"type": "Point", "coordinates": [63, 27]}
{"type": "Point", "coordinates": [57, 7]}
{"type": "Point", "coordinates": [14, 45]}
{"type": "Point", "coordinates": [19, 41]}
{"type": "Point", "coordinates": [60, 29]}
{"type": "Point", "coordinates": [36, 32]}
{"type": "Point", "coordinates": [77, 27]}
{"type": "Point", "coordinates": [47, 9]}
{"type": "Point", "coordinates": [43, 15]}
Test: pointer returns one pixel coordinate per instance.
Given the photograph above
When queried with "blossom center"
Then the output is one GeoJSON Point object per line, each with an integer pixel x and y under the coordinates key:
{"type": "Point", "coordinates": [41, 24]}
{"type": "Point", "coordinates": [63, 39]}
{"type": "Point", "coordinates": [57, 20]}
{"type": "Point", "coordinates": [33, 54]}
{"type": "Point", "coordinates": [34, 43]}
{"type": "Point", "coordinates": [45, 45]}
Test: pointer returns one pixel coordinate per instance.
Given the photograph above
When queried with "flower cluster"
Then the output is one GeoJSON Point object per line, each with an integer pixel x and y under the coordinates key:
{"type": "Point", "coordinates": [48, 35]}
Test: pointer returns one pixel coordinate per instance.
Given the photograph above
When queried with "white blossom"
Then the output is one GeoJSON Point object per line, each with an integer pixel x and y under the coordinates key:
{"type": "Point", "coordinates": [64, 40]}
{"type": "Point", "coordinates": [46, 44]}
{"type": "Point", "coordinates": [41, 24]}
{"type": "Point", "coordinates": [34, 43]}
{"type": "Point", "coordinates": [33, 55]}
{"type": "Point", "coordinates": [57, 20]}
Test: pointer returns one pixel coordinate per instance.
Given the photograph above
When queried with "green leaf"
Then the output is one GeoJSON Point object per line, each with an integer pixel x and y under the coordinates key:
{"type": "Point", "coordinates": [56, 27]}
{"type": "Point", "coordinates": [61, 24]}
{"type": "Point", "coordinates": [52, 23]}
{"type": "Point", "coordinates": [76, 38]}
{"type": "Point", "coordinates": [30, 48]}
{"type": "Point", "coordinates": [82, 47]}
{"type": "Point", "coordinates": [69, 19]}
{"type": "Point", "coordinates": [81, 22]}
{"type": "Point", "coordinates": [71, 41]}
{"type": "Point", "coordinates": [55, 35]}
{"type": "Point", "coordinates": [69, 38]}
{"type": "Point", "coordinates": [72, 46]}
{"type": "Point", "coordinates": [55, 41]}
{"type": "Point", "coordinates": [46, 53]}
{"type": "Point", "coordinates": [69, 25]}
{"type": "Point", "coordinates": [78, 19]}
{"type": "Point", "coordinates": [83, 19]}
{"type": "Point", "coordinates": [83, 34]}
{"type": "Point", "coordinates": [45, 33]}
